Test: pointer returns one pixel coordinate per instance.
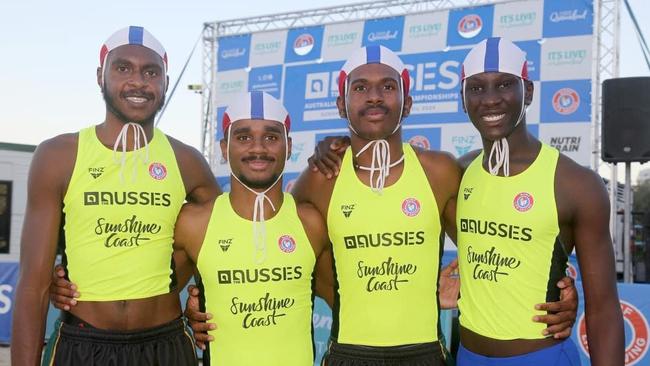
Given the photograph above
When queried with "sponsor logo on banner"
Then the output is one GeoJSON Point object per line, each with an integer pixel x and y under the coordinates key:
{"type": "Point", "coordinates": [566, 143]}
{"type": "Point", "coordinates": [567, 57]}
{"type": "Point", "coordinates": [424, 30]}
{"type": "Point", "coordinates": [264, 48]}
{"type": "Point", "coordinates": [636, 347]}
{"type": "Point", "coordinates": [5, 299]}
{"type": "Point", "coordinates": [267, 79]}
{"type": "Point", "coordinates": [566, 101]}
{"type": "Point", "coordinates": [386, 32]}
{"type": "Point", "coordinates": [470, 26]}
{"type": "Point", "coordinates": [296, 150]}
{"type": "Point", "coordinates": [523, 202]}
{"type": "Point", "coordinates": [411, 207]}
{"type": "Point", "coordinates": [420, 141]}
{"type": "Point", "coordinates": [303, 44]}
{"type": "Point", "coordinates": [571, 15]}
{"type": "Point", "coordinates": [342, 39]}
{"type": "Point", "coordinates": [463, 144]}
{"type": "Point", "coordinates": [233, 53]}
{"type": "Point", "coordinates": [516, 20]}
{"type": "Point", "coordinates": [287, 244]}
{"type": "Point", "coordinates": [382, 36]}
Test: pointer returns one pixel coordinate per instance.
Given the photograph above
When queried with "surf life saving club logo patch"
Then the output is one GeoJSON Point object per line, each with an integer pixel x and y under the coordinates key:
{"type": "Point", "coordinates": [157, 171]}
{"type": "Point", "coordinates": [470, 26]}
{"type": "Point", "coordinates": [287, 244]}
{"type": "Point", "coordinates": [566, 101]}
{"type": "Point", "coordinates": [303, 44]}
{"type": "Point", "coordinates": [523, 202]}
{"type": "Point", "coordinates": [411, 207]}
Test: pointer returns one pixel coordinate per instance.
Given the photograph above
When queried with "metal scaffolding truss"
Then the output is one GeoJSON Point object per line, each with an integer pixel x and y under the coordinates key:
{"type": "Point", "coordinates": [606, 31]}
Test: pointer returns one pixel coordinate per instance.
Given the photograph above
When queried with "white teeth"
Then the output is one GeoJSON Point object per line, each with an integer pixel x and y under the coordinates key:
{"type": "Point", "coordinates": [136, 99]}
{"type": "Point", "coordinates": [493, 117]}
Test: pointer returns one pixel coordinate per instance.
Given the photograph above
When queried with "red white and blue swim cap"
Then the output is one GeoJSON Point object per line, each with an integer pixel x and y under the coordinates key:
{"type": "Point", "coordinates": [374, 54]}
{"type": "Point", "coordinates": [495, 55]}
{"type": "Point", "coordinates": [256, 105]}
{"type": "Point", "coordinates": [132, 35]}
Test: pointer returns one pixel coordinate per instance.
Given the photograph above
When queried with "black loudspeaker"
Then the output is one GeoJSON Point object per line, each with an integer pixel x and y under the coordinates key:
{"type": "Point", "coordinates": [626, 120]}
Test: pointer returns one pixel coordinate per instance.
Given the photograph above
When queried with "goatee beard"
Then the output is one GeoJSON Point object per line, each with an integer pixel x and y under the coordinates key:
{"type": "Point", "coordinates": [110, 106]}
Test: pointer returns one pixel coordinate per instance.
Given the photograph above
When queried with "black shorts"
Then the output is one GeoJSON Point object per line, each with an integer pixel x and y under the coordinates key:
{"type": "Point", "coordinates": [78, 343]}
{"type": "Point", "coordinates": [422, 354]}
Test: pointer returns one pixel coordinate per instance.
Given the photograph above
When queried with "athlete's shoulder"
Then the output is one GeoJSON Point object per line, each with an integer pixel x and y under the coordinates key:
{"type": "Point", "coordinates": [314, 225]}
{"type": "Point", "coordinates": [590, 190]}
{"type": "Point", "coordinates": [315, 188]}
{"type": "Point", "coordinates": [434, 160]}
{"type": "Point", "coordinates": [200, 184]}
{"type": "Point", "coordinates": [192, 220]}
{"type": "Point", "coordinates": [184, 151]}
{"type": "Point", "coordinates": [465, 160]}
{"type": "Point", "coordinates": [60, 151]}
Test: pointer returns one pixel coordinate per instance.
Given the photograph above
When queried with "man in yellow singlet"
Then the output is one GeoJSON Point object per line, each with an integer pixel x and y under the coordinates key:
{"type": "Point", "coordinates": [118, 187]}
{"type": "Point", "coordinates": [524, 207]}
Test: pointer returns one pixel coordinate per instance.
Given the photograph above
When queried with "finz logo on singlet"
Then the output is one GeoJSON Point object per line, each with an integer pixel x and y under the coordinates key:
{"type": "Point", "coordinates": [347, 209]}
{"type": "Point", "coordinates": [287, 244]}
{"type": "Point", "coordinates": [637, 347]}
{"type": "Point", "coordinates": [523, 202]}
{"type": "Point", "coordinates": [470, 25]}
{"type": "Point", "coordinates": [411, 207]}
{"type": "Point", "coordinates": [127, 199]}
{"type": "Point", "coordinates": [566, 101]}
{"type": "Point", "coordinates": [96, 172]}
{"type": "Point", "coordinates": [467, 192]}
{"type": "Point", "coordinates": [225, 244]}
{"type": "Point", "coordinates": [272, 274]}
{"type": "Point", "coordinates": [157, 171]}
{"type": "Point", "coordinates": [405, 238]}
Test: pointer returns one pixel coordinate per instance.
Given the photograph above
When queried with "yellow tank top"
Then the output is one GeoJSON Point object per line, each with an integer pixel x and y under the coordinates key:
{"type": "Point", "coordinates": [119, 233]}
{"type": "Point", "coordinates": [387, 256]}
{"type": "Point", "coordinates": [263, 311]}
{"type": "Point", "coordinates": [509, 254]}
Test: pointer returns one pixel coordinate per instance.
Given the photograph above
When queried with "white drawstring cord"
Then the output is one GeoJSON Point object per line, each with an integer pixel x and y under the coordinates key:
{"type": "Point", "coordinates": [138, 134]}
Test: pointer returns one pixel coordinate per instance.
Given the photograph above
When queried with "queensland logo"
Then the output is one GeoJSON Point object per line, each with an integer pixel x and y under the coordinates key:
{"type": "Point", "coordinates": [232, 53]}
{"type": "Point", "coordinates": [96, 172]}
{"type": "Point", "coordinates": [303, 44]}
{"type": "Point", "coordinates": [470, 26]}
{"type": "Point", "coordinates": [420, 141]}
{"type": "Point", "coordinates": [566, 101]}
{"type": "Point", "coordinates": [523, 202]}
{"type": "Point", "coordinates": [382, 36]}
{"type": "Point", "coordinates": [347, 209]}
{"type": "Point", "coordinates": [157, 171]}
{"type": "Point", "coordinates": [411, 207]}
{"type": "Point", "coordinates": [568, 15]}
{"type": "Point", "coordinates": [287, 244]}
{"type": "Point", "coordinates": [637, 344]}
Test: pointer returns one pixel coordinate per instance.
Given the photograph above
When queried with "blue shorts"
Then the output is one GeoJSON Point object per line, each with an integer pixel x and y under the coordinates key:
{"type": "Point", "coordinates": [561, 354]}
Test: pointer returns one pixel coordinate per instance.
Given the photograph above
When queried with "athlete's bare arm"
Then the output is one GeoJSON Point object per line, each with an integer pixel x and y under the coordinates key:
{"type": "Point", "coordinates": [49, 176]}
{"type": "Point", "coordinates": [316, 230]}
{"type": "Point", "coordinates": [583, 210]}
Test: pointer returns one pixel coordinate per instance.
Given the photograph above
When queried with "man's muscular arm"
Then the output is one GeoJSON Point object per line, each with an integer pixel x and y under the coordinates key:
{"type": "Point", "coordinates": [584, 215]}
{"type": "Point", "coordinates": [49, 172]}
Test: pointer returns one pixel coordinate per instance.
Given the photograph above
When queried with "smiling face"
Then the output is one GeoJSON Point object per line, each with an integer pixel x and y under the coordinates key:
{"type": "Point", "coordinates": [374, 98]}
{"type": "Point", "coordinates": [257, 151]}
{"type": "Point", "coordinates": [133, 83]}
{"type": "Point", "coordinates": [493, 102]}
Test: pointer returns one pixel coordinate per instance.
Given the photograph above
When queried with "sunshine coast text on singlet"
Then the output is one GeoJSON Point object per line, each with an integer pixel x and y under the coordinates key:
{"type": "Point", "coordinates": [263, 311]}
{"type": "Point", "coordinates": [387, 254]}
{"type": "Point", "coordinates": [119, 232]}
{"type": "Point", "coordinates": [509, 254]}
